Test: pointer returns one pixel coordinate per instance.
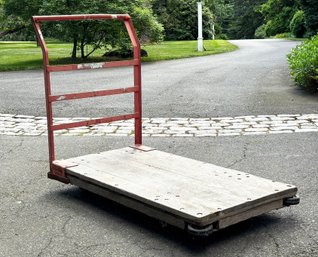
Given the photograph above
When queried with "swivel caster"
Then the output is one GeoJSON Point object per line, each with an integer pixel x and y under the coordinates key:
{"type": "Point", "coordinates": [199, 231]}
{"type": "Point", "coordinates": [291, 201]}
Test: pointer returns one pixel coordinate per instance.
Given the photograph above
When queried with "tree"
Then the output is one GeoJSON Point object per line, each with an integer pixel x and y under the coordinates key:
{"type": "Point", "coordinates": [237, 18]}
{"type": "Point", "coordinates": [222, 11]}
{"type": "Point", "coordinates": [297, 24]}
{"type": "Point", "coordinates": [278, 15]}
{"type": "Point", "coordinates": [246, 18]}
{"type": "Point", "coordinates": [2, 18]}
{"type": "Point", "coordinates": [97, 34]}
{"type": "Point", "coordinates": [16, 17]}
{"type": "Point", "coordinates": [179, 18]}
{"type": "Point", "coordinates": [310, 8]}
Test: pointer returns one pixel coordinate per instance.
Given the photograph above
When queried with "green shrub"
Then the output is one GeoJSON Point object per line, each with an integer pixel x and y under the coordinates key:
{"type": "Point", "coordinates": [297, 24]}
{"type": "Point", "coordinates": [260, 32]}
{"type": "Point", "coordinates": [283, 35]}
{"type": "Point", "coordinates": [303, 62]}
{"type": "Point", "coordinates": [222, 36]}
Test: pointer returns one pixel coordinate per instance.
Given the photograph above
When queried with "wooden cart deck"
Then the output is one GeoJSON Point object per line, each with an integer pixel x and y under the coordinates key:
{"type": "Point", "coordinates": [175, 189]}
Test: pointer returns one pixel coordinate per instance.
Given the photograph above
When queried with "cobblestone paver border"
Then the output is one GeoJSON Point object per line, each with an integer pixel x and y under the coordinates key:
{"type": "Point", "coordinates": [17, 125]}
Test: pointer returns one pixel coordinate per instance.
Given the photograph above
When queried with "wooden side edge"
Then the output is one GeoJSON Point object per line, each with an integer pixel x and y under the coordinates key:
{"type": "Point", "coordinates": [129, 202]}
{"type": "Point", "coordinates": [253, 212]}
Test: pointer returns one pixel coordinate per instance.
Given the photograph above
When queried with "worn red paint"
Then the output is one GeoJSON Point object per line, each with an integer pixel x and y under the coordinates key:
{"type": "Point", "coordinates": [57, 170]}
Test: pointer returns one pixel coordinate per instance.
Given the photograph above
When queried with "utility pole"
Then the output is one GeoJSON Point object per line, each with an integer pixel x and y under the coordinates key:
{"type": "Point", "coordinates": [200, 34]}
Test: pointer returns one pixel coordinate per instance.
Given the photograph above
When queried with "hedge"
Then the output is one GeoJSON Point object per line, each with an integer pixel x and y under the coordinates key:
{"type": "Point", "coordinates": [303, 62]}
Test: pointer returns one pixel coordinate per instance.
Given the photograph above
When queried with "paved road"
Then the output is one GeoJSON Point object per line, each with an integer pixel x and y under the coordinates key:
{"type": "Point", "coordinates": [40, 217]}
{"type": "Point", "coordinates": [251, 81]}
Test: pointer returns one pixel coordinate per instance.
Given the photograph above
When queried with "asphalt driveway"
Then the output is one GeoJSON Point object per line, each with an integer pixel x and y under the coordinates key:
{"type": "Point", "coordinates": [251, 81]}
{"type": "Point", "coordinates": [41, 217]}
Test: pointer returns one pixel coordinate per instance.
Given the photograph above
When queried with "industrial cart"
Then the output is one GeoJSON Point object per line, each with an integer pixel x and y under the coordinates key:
{"type": "Point", "coordinates": [193, 195]}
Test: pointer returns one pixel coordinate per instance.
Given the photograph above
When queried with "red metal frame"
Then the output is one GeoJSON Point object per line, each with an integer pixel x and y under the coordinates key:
{"type": "Point", "coordinates": [57, 169]}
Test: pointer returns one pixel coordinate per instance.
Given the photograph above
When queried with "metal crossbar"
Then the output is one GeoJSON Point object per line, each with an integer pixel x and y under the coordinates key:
{"type": "Point", "coordinates": [117, 91]}
{"type": "Point", "coordinates": [79, 17]}
{"type": "Point", "coordinates": [93, 121]}
{"type": "Point", "coordinates": [50, 99]}
{"type": "Point", "coordinates": [88, 66]}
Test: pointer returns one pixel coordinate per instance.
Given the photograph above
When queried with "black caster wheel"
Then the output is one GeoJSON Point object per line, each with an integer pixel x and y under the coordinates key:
{"type": "Point", "coordinates": [291, 201]}
{"type": "Point", "coordinates": [199, 231]}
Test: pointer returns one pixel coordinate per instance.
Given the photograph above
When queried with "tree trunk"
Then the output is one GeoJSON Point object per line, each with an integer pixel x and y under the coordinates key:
{"type": "Point", "coordinates": [75, 38]}
{"type": "Point", "coordinates": [83, 40]}
{"type": "Point", "coordinates": [82, 49]}
{"type": "Point", "coordinates": [11, 31]}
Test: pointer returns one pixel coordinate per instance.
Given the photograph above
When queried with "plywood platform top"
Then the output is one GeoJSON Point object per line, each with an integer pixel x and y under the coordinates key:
{"type": "Point", "coordinates": [187, 188]}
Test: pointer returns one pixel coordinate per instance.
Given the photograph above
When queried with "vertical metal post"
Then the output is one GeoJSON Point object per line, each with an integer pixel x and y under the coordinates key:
{"type": "Point", "coordinates": [47, 83]}
{"type": "Point", "coordinates": [138, 107]}
{"type": "Point", "coordinates": [137, 81]}
{"type": "Point", "coordinates": [137, 100]}
{"type": "Point", "coordinates": [200, 33]}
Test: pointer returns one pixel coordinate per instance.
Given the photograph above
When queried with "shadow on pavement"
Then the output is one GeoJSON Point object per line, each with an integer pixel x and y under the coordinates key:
{"type": "Point", "coordinates": [86, 200]}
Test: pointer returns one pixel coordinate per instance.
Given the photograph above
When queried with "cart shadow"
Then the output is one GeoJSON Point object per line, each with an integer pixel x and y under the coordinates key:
{"type": "Point", "coordinates": [136, 219]}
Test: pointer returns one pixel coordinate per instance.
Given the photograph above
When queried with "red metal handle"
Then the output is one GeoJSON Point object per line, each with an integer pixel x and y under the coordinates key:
{"type": "Point", "coordinates": [136, 89]}
{"type": "Point", "coordinates": [81, 17]}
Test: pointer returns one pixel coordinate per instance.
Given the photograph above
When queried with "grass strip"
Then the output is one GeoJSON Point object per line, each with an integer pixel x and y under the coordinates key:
{"type": "Point", "coordinates": [27, 55]}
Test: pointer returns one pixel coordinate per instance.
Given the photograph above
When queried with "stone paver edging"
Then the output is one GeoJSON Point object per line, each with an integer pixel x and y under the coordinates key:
{"type": "Point", "coordinates": [168, 127]}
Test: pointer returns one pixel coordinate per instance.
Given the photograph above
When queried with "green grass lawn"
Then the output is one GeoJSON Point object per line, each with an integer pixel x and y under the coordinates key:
{"type": "Point", "coordinates": [27, 56]}
{"type": "Point", "coordinates": [182, 49]}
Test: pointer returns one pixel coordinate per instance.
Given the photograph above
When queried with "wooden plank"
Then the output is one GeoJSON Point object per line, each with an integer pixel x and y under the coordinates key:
{"type": "Point", "coordinates": [140, 192]}
{"type": "Point", "coordinates": [220, 182]}
{"type": "Point", "coordinates": [193, 190]}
